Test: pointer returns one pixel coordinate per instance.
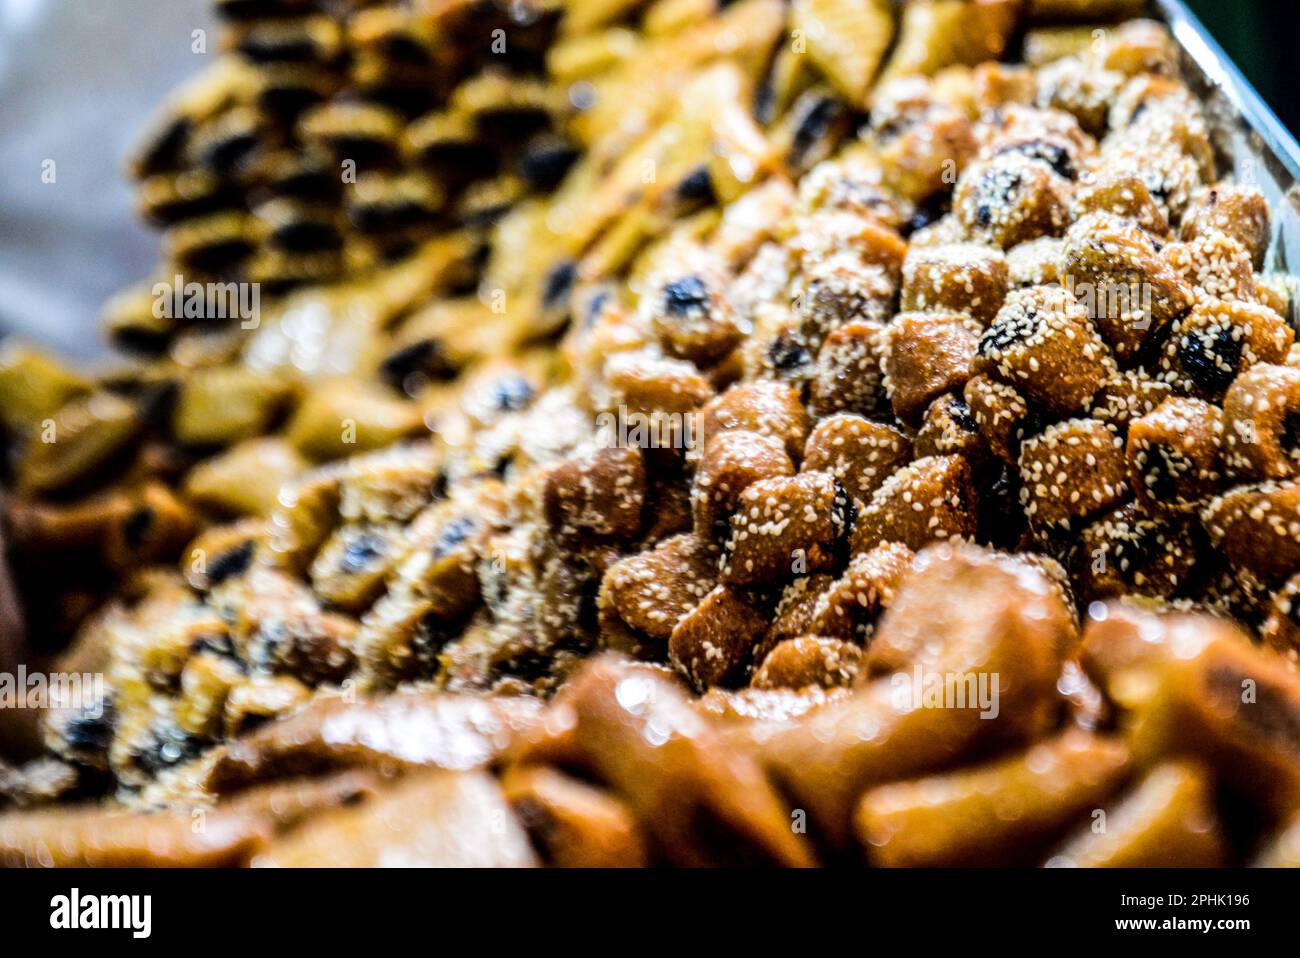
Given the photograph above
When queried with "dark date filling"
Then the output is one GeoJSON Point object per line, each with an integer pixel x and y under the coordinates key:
{"type": "Point", "coordinates": [559, 285]}
{"type": "Point", "coordinates": [1140, 550]}
{"type": "Point", "coordinates": [360, 553]}
{"type": "Point", "coordinates": [815, 125]}
{"type": "Point", "coordinates": [1010, 329]}
{"type": "Point", "coordinates": [453, 534]}
{"type": "Point", "coordinates": [960, 414]}
{"type": "Point", "coordinates": [789, 356]}
{"type": "Point", "coordinates": [168, 747]}
{"type": "Point", "coordinates": [1057, 157]}
{"type": "Point", "coordinates": [686, 296]}
{"type": "Point", "coordinates": [1211, 358]}
{"type": "Point", "coordinates": [1291, 434]}
{"type": "Point", "coordinates": [998, 190]}
{"type": "Point", "coordinates": [1164, 468]}
{"type": "Point", "coordinates": [424, 357]}
{"type": "Point", "coordinates": [844, 513]}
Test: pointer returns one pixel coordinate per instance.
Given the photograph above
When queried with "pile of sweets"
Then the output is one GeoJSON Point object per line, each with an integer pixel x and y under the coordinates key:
{"type": "Point", "coordinates": [866, 450]}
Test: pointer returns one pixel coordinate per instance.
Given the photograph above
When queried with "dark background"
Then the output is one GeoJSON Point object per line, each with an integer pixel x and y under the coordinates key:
{"type": "Point", "coordinates": [1263, 38]}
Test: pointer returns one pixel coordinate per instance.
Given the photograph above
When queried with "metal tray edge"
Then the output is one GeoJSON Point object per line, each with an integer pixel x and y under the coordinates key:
{"type": "Point", "coordinates": [1247, 131]}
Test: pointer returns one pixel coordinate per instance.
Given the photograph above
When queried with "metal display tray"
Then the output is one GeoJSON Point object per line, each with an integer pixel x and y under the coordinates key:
{"type": "Point", "coordinates": [1247, 135]}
